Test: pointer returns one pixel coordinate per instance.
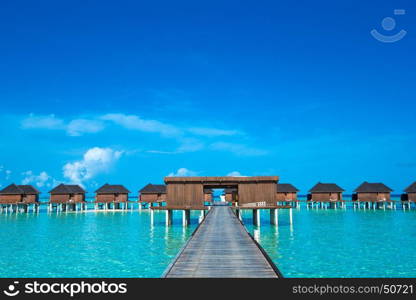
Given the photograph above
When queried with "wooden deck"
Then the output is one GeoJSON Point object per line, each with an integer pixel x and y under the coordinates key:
{"type": "Point", "coordinates": [263, 207]}
{"type": "Point", "coordinates": [221, 248]}
{"type": "Point", "coordinates": [177, 207]}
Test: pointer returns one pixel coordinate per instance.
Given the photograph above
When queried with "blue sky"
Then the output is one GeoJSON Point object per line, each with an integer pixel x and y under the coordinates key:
{"type": "Point", "coordinates": [96, 92]}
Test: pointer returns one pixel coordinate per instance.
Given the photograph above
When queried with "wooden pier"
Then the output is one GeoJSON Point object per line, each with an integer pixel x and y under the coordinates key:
{"type": "Point", "coordinates": [221, 247]}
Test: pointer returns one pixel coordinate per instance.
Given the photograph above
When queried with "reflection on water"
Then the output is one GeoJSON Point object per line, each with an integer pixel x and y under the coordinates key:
{"type": "Point", "coordinates": [340, 243]}
{"type": "Point", "coordinates": [91, 244]}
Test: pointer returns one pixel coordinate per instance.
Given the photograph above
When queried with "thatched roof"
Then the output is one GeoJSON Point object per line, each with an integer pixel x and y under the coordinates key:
{"type": "Point", "coordinates": [14, 189]}
{"type": "Point", "coordinates": [208, 191]}
{"type": "Point", "coordinates": [286, 188]}
{"type": "Point", "coordinates": [63, 189]}
{"type": "Point", "coordinates": [230, 190]}
{"type": "Point", "coordinates": [367, 187]}
{"type": "Point", "coordinates": [112, 189]}
{"type": "Point", "coordinates": [326, 188]}
{"type": "Point", "coordinates": [411, 188]}
{"type": "Point", "coordinates": [153, 189]}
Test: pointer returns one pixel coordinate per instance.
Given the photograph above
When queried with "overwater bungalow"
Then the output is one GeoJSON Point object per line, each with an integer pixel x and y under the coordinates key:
{"type": "Point", "coordinates": [231, 195]}
{"type": "Point", "coordinates": [25, 194]}
{"type": "Point", "coordinates": [153, 193]}
{"type": "Point", "coordinates": [112, 193]}
{"type": "Point", "coordinates": [287, 193]}
{"type": "Point", "coordinates": [411, 192]}
{"type": "Point", "coordinates": [372, 194]}
{"type": "Point", "coordinates": [19, 197]}
{"type": "Point", "coordinates": [409, 196]}
{"type": "Point", "coordinates": [67, 196]}
{"type": "Point", "coordinates": [208, 195]}
{"type": "Point", "coordinates": [323, 194]}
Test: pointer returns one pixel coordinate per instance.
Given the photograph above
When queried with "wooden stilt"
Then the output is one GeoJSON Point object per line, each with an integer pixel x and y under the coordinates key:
{"type": "Point", "coordinates": [256, 217]}
{"type": "Point", "coordinates": [201, 217]}
{"type": "Point", "coordinates": [186, 217]}
{"type": "Point", "coordinates": [274, 216]}
{"type": "Point", "coordinates": [169, 217]}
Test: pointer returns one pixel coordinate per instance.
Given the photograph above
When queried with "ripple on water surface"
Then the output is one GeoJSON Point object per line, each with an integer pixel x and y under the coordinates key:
{"type": "Point", "coordinates": [338, 243]}
{"type": "Point", "coordinates": [104, 244]}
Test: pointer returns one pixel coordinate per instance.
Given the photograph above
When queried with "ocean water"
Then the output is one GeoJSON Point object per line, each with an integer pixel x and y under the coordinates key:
{"type": "Point", "coordinates": [102, 244]}
{"type": "Point", "coordinates": [339, 243]}
{"type": "Point", "coordinates": [319, 243]}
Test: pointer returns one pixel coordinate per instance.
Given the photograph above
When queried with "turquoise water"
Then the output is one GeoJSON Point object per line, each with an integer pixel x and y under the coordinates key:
{"type": "Point", "coordinates": [320, 243]}
{"type": "Point", "coordinates": [338, 243]}
{"type": "Point", "coordinates": [102, 244]}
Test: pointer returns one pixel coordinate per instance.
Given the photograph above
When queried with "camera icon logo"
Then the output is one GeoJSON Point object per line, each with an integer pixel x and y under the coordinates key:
{"type": "Point", "coordinates": [12, 290]}
{"type": "Point", "coordinates": [389, 24]}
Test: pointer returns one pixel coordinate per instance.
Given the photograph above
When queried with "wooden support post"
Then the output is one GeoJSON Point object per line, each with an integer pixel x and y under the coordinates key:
{"type": "Point", "coordinates": [274, 216]}
{"type": "Point", "coordinates": [186, 217]}
{"type": "Point", "coordinates": [151, 217]}
{"type": "Point", "coordinates": [256, 217]}
{"type": "Point", "coordinates": [202, 216]}
{"type": "Point", "coordinates": [290, 216]}
{"type": "Point", "coordinates": [169, 217]}
{"type": "Point", "coordinates": [238, 214]}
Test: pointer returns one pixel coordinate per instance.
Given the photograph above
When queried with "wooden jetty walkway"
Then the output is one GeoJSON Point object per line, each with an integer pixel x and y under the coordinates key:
{"type": "Point", "coordinates": [221, 247]}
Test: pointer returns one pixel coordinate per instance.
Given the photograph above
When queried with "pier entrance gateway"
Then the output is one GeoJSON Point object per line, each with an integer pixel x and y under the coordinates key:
{"type": "Point", "coordinates": [189, 191]}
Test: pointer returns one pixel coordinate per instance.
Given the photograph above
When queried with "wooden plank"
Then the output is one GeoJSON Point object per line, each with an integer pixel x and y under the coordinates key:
{"type": "Point", "coordinates": [221, 247]}
{"type": "Point", "coordinates": [264, 207]}
{"type": "Point", "coordinates": [224, 179]}
{"type": "Point", "coordinates": [180, 207]}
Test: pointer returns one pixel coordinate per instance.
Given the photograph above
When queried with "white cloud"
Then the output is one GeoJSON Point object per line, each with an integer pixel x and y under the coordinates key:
{"type": "Point", "coordinates": [190, 139]}
{"type": "Point", "coordinates": [235, 174]}
{"type": "Point", "coordinates": [41, 180]}
{"type": "Point", "coordinates": [75, 127]}
{"type": "Point", "coordinates": [79, 126]}
{"type": "Point", "coordinates": [43, 122]}
{"type": "Point", "coordinates": [190, 145]}
{"type": "Point", "coordinates": [183, 172]}
{"type": "Point", "coordinates": [4, 173]}
{"type": "Point", "coordinates": [212, 132]}
{"type": "Point", "coordinates": [136, 123]}
{"type": "Point", "coordinates": [161, 152]}
{"type": "Point", "coordinates": [238, 149]}
{"type": "Point", "coordinates": [95, 160]}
